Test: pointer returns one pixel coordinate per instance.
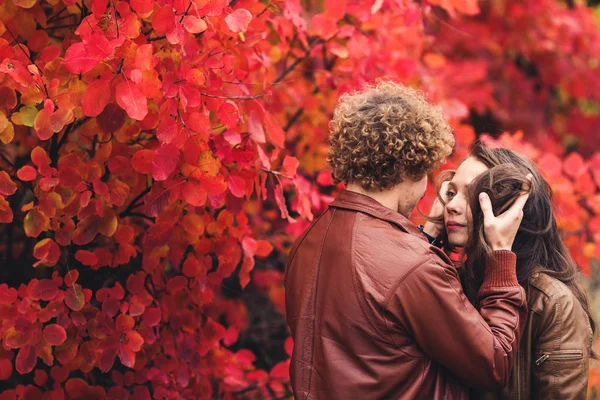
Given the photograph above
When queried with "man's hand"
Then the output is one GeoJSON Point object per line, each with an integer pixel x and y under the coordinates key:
{"type": "Point", "coordinates": [500, 231]}
{"type": "Point", "coordinates": [437, 210]}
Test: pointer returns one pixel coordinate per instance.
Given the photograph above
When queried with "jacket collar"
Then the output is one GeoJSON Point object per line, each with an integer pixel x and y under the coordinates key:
{"type": "Point", "coordinates": [359, 202]}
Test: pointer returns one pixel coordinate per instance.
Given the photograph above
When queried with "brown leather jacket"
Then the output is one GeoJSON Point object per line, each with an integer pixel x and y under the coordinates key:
{"type": "Point", "coordinates": [553, 359]}
{"type": "Point", "coordinates": [378, 313]}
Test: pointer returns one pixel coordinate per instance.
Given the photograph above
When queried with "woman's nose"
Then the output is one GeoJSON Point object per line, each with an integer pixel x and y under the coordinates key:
{"type": "Point", "coordinates": [454, 206]}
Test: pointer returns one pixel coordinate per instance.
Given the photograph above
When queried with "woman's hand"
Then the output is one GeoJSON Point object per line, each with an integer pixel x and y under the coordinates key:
{"type": "Point", "coordinates": [500, 231]}
{"type": "Point", "coordinates": [437, 210]}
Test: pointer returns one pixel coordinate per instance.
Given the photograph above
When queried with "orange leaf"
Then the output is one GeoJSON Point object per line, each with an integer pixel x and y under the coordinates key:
{"type": "Point", "coordinates": [7, 186]}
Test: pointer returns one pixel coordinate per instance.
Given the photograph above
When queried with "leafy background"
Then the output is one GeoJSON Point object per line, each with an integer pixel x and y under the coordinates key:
{"type": "Point", "coordinates": [159, 157]}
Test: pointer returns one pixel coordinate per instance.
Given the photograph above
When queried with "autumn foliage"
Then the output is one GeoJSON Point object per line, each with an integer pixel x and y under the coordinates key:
{"type": "Point", "coordinates": [159, 156]}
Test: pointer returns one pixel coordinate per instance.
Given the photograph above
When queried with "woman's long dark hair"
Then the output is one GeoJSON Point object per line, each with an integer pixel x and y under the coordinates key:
{"type": "Point", "coordinates": [538, 245]}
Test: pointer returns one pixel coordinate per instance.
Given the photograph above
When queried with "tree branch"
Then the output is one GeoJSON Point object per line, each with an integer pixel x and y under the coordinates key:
{"type": "Point", "coordinates": [133, 204]}
{"type": "Point", "coordinates": [298, 61]}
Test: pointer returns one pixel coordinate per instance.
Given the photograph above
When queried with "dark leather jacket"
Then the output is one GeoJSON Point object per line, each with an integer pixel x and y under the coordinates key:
{"type": "Point", "coordinates": [377, 313]}
{"type": "Point", "coordinates": [553, 359]}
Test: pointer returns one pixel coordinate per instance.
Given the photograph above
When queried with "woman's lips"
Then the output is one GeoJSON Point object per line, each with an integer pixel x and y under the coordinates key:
{"type": "Point", "coordinates": [453, 226]}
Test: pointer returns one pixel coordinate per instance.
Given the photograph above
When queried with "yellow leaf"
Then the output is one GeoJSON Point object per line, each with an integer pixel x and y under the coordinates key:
{"type": "Point", "coordinates": [208, 163]}
{"type": "Point", "coordinates": [25, 116]}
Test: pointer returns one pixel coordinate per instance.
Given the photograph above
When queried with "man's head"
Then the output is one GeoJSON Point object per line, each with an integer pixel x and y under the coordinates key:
{"type": "Point", "coordinates": [387, 138]}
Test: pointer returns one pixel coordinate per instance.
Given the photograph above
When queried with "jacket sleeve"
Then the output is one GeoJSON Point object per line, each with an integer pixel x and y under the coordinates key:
{"type": "Point", "coordinates": [561, 350]}
{"type": "Point", "coordinates": [478, 347]}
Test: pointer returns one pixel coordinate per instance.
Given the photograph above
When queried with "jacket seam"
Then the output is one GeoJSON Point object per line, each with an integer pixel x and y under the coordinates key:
{"type": "Point", "coordinates": [314, 319]}
{"type": "Point", "coordinates": [304, 235]}
{"type": "Point", "coordinates": [401, 280]}
{"type": "Point", "coordinates": [360, 295]}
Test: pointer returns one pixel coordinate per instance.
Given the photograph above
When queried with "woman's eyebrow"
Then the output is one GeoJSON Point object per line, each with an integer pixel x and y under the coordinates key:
{"type": "Point", "coordinates": [451, 183]}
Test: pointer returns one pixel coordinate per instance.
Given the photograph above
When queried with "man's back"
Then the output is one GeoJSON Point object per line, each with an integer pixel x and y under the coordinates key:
{"type": "Point", "coordinates": [340, 275]}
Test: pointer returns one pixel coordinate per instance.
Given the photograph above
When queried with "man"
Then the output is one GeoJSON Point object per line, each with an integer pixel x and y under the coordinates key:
{"type": "Point", "coordinates": [374, 310]}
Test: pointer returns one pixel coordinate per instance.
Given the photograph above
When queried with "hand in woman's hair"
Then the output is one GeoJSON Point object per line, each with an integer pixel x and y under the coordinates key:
{"type": "Point", "coordinates": [500, 231]}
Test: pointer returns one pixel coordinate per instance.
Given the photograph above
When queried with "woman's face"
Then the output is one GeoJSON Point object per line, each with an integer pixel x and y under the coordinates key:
{"type": "Point", "coordinates": [457, 213]}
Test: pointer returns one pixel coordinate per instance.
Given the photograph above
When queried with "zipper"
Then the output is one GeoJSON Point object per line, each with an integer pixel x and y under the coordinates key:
{"type": "Point", "coordinates": [566, 355]}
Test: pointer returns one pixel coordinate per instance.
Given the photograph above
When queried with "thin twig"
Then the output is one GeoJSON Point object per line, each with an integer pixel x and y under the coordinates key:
{"type": "Point", "coordinates": [298, 61]}
{"type": "Point", "coordinates": [186, 12]}
{"type": "Point", "coordinates": [214, 96]}
{"type": "Point", "coordinates": [116, 20]}
{"type": "Point", "coordinates": [276, 173]}
{"type": "Point", "coordinates": [154, 39]}
{"type": "Point", "coordinates": [133, 205]}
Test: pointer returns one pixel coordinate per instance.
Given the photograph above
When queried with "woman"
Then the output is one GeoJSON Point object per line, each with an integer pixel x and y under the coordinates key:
{"type": "Point", "coordinates": [553, 358]}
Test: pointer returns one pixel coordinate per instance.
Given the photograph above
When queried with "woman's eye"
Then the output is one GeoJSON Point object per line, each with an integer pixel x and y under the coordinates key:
{"type": "Point", "coordinates": [450, 194]}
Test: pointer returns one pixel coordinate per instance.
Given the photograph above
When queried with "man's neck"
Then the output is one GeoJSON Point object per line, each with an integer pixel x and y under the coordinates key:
{"type": "Point", "coordinates": [388, 198]}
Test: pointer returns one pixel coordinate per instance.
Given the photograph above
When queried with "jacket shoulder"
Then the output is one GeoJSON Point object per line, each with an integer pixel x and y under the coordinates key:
{"type": "Point", "coordinates": [557, 307]}
{"type": "Point", "coordinates": [383, 254]}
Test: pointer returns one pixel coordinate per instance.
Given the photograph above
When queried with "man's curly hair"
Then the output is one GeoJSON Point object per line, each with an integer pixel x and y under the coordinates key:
{"type": "Point", "coordinates": [384, 134]}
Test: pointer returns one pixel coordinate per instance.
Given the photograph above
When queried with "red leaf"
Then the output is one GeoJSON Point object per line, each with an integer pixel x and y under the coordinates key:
{"type": "Point", "coordinates": [41, 377]}
{"type": "Point", "coordinates": [98, 46]}
{"type": "Point", "coordinates": [274, 132]}
{"type": "Point", "coordinates": [131, 99]}
{"type": "Point", "coordinates": [194, 24]}
{"type": "Point", "coordinates": [142, 161]}
{"type": "Point", "coordinates": [467, 7]}
{"type": "Point", "coordinates": [151, 317]}
{"type": "Point", "coordinates": [111, 118]}
{"type": "Point", "coordinates": [324, 26]}
{"type": "Point", "coordinates": [290, 165]}
{"type": "Point", "coordinates": [228, 114]}
{"type": "Point", "coordinates": [165, 161]}
{"type": "Point", "coordinates": [142, 7]}
{"type": "Point", "coordinates": [45, 289]}
{"type": "Point", "coordinates": [6, 369]}
{"type": "Point", "coordinates": [167, 130]}
{"type": "Point", "coordinates": [6, 214]}
{"type": "Point", "coordinates": [289, 346]}
{"type": "Point", "coordinates": [54, 334]}
{"type": "Point", "coordinates": [27, 173]}
{"type": "Point", "coordinates": [237, 185]}
{"type": "Point", "coordinates": [238, 20]}
{"type": "Point", "coordinates": [280, 200]}
{"type": "Point", "coordinates": [26, 360]}
{"type": "Point", "coordinates": [126, 355]}
{"type": "Point", "coordinates": [124, 323]}
{"type": "Point", "coordinates": [574, 165]}
{"type": "Point", "coordinates": [134, 341]}
{"type": "Point", "coordinates": [263, 248]}
{"type": "Point", "coordinates": [7, 295]}
{"type": "Point", "coordinates": [47, 253]}
{"type": "Point", "coordinates": [255, 128]}
{"type": "Point", "coordinates": [77, 60]}
{"type": "Point", "coordinates": [99, 6]}
{"type": "Point", "coordinates": [86, 257]}
{"type": "Point", "coordinates": [71, 277]}
{"type": "Point", "coordinates": [7, 186]}
{"type": "Point", "coordinates": [87, 229]}
{"type": "Point", "coordinates": [95, 97]}
{"type": "Point", "coordinates": [193, 193]}
{"type": "Point", "coordinates": [163, 20]}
